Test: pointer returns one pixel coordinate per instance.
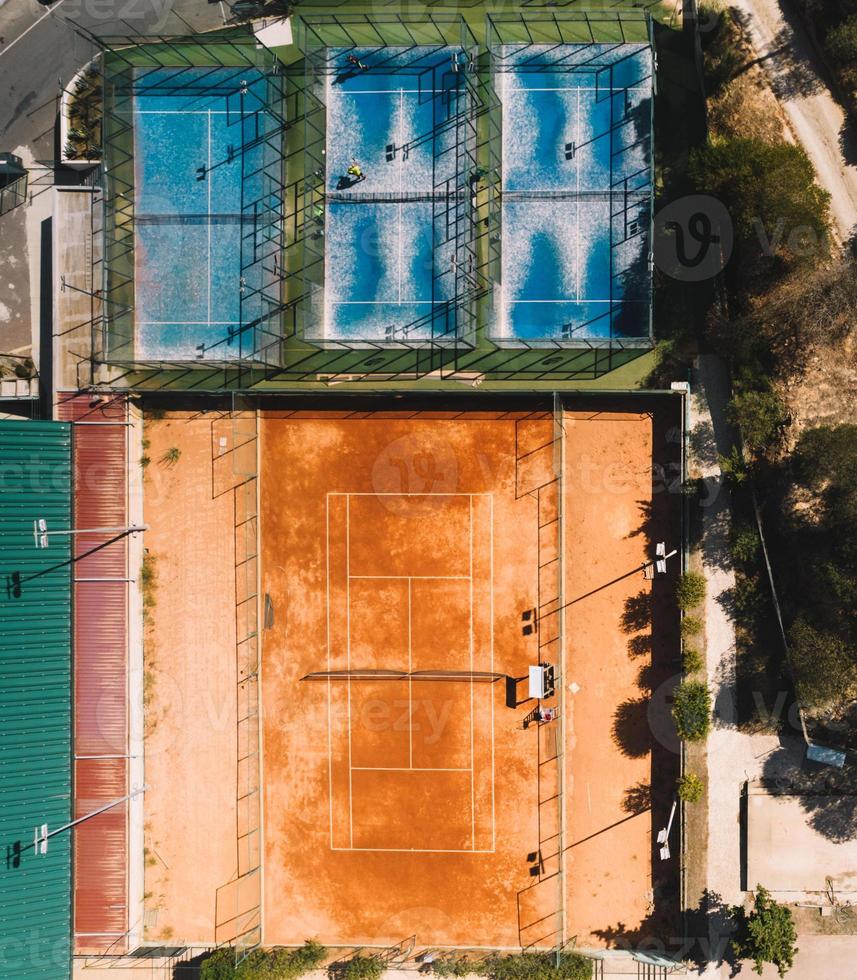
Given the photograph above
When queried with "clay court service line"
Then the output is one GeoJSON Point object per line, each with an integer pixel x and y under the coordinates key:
{"type": "Point", "coordinates": [472, 750]}
{"type": "Point", "coordinates": [409, 578]}
{"type": "Point", "coordinates": [348, 656]}
{"type": "Point", "coordinates": [329, 705]}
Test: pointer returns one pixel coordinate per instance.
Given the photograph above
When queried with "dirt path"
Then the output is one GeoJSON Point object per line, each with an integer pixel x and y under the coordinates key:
{"type": "Point", "coordinates": [816, 117]}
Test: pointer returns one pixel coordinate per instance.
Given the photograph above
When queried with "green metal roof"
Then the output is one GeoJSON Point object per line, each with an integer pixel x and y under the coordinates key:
{"type": "Point", "coordinates": [35, 700]}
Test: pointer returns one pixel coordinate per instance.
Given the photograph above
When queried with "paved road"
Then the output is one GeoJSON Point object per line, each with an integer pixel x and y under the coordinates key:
{"type": "Point", "coordinates": [816, 117]}
{"type": "Point", "coordinates": [40, 51]}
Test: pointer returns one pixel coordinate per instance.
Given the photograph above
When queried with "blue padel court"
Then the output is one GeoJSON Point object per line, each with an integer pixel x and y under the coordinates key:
{"type": "Point", "coordinates": [576, 179]}
{"type": "Point", "coordinates": [389, 255]}
{"type": "Point", "coordinates": [197, 177]}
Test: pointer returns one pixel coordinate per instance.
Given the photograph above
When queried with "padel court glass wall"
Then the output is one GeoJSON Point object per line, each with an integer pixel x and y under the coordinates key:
{"type": "Point", "coordinates": [388, 253]}
{"type": "Point", "coordinates": [573, 129]}
{"type": "Point", "coordinates": [193, 200]}
{"type": "Point", "coordinates": [398, 197]}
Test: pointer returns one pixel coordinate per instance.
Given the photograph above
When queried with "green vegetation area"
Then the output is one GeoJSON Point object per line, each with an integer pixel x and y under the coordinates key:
{"type": "Point", "coordinates": [784, 302]}
{"type": "Point", "coordinates": [264, 964]}
{"type": "Point", "coordinates": [289, 964]}
{"type": "Point", "coordinates": [765, 934]}
{"type": "Point", "coordinates": [833, 26]}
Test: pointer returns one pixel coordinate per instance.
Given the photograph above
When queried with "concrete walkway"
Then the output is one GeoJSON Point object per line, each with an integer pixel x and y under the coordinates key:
{"type": "Point", "coordinates": [733, 757]}
{"type": "Point", "coordinates": [815, 116]}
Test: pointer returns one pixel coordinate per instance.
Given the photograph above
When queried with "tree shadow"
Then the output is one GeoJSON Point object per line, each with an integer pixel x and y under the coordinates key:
{"type": "Point", "coordinates": [640, 645]}
{"type": "Point", "coordinates": [638, 799]}
{"type": "Point", "coordinates": [709, 929]}
{"type": "Point", "coordinates": [702, 443]}
{"type": "Point", "coordinates": [638, 613]}
{"type": "Point", "coordinates": [792, 74]}
{"type": "Point", "coordinates": [631, 731]}
{"type": "Point", "coordinates": [648, 677]}
{"type": "Point", "coordinates": [825, 794]}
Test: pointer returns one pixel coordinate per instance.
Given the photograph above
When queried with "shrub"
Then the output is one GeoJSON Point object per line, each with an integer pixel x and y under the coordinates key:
{"type": "Point", "coordinates": [690, 626]}
{"type": "Point", "coordinates": [453, 966]}
{"type": "Point", "coordinates": [692, 711]}
{"type": "Point", "coordinates": [692, 660]}
{"type": "Point", "coordinates": [744, 543]}
{"type": "Point", "coordinates": [219, 966]}
{"type": "Point", "coordinates": [172, 456]}
{"type": "Point", "coordinates": [538, 966]}
{"type": "Point", "coordinates": [824, 669]}
{"type": "Point", "coordinates": [767, 934]}
{"type": "Point", "coordinates": [264, 964]}
{"type": "Point", "coordinates": [690, 788]}
{"type": "Point", "coordinates": [841, 42]}
{"type": "Point", "coordinates": [363, 968]}
{"type": "Point", "coordinates": [760, 416]}
{"type": "Point", "coordinates": [734, 468]}
{"type": "Point", "coordinates": [690, 590]}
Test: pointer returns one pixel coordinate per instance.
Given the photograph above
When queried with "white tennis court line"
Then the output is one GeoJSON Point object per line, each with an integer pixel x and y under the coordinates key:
{"type": "Point", "coordinates": [348, 656]}
{"type": "Point", "coordinates": [406, 493]}
{"type": "Point", "coordinates": [408, 578]}
{"type": "Point", "coordinates": [352, 768]}
{"type": "Point", "coordinates": [413, 850]}
{"type": "Point", "coordinates": [472, 749]}
{"type": "Point", "coordinates": [410, 686]}
{"type": "Point", "coordinates": [329, 668]}
{"type": "Point", "coordinates": [491, 654]}
{"type": "Point", "coordinates": [408, 768]}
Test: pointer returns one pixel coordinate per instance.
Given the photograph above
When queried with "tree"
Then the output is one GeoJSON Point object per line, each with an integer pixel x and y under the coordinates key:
{"type": "Point", "coordinates": [691, 711]}
{"type": "Point", "coordinates": [769, 190]}
{"type": "Point", "coordinates": [759, 415]}
{"type": "Point", "coordinates": [824, 668]}
{"type": "Point", "coordinates": [690, 590]}
{"type": "Point", "coordinates": [767, 934]}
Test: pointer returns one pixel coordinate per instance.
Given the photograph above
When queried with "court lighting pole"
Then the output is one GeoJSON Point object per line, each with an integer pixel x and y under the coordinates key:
{"type": "Point", "coordinates": [42, 536]}
{"type": "Point", "coordinates": [664, 835]}
{"type": "Point", "coordinates": [41, 836]}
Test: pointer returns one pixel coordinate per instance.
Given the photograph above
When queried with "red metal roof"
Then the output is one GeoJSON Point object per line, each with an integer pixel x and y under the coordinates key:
{"type": "Point", "coordinates": [100, 669]}
{"type": "Point", "coordinates": [101, 887]}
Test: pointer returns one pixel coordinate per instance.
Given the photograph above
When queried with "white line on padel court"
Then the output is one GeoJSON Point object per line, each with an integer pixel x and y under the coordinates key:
{"type": "Point", "coordinates": [209, 182]}
{"type": "Point", "coordinates": [577, 207]}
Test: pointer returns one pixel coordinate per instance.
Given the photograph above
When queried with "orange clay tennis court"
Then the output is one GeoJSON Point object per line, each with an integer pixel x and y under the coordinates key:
{"type": "Point", "coordinates": [412, 563]}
